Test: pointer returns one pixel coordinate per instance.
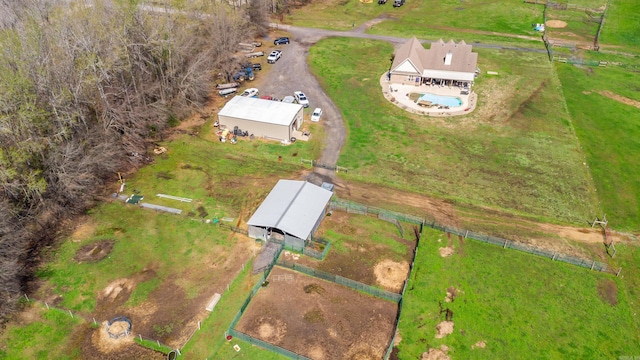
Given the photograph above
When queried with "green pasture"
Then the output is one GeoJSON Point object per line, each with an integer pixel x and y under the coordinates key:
{"type": "Point", "coordinates": [621, 24]}
{"type": "Point", "coordinates": [609, 132]}
{"type": "Point", "coordinates": [521, 306]}
{"type": "Point", "coordinates": [422, 18]}
{"type": "Point", "coordinates": [43, 334]}
{"type": "Point", "coordinates": [523, 157]}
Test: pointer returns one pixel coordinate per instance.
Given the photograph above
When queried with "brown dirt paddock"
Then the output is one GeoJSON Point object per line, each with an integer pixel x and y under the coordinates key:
{"type": "Point", "coordinates": [319, 319]}
{"type": "Point", "coordinates": [361, 257]}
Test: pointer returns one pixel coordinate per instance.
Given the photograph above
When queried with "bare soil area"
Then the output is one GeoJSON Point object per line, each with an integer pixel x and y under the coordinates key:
{"type": "Point", "coordinates": [436, 353]}
{"type": "Point", "coordinates": [443, 329]}
{"type": "Point", "coordinates": [94, 252]}
{"type": "Point", "coordinates": [620, 98]}
{"type": "Point", "coordinates": [362, 261]}
{"type": "Point", "coordinates": [319, 319]}
{"type": "Point", "coordinates": [391, 275]}
{"type": "Point", "coordinates": [556, 24]}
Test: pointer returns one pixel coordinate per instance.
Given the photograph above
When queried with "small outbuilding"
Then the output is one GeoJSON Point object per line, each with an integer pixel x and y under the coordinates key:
{"type": "Point", "coordinates": [291, 213]}
{"type": "Point", "coordinates": [263, 118]}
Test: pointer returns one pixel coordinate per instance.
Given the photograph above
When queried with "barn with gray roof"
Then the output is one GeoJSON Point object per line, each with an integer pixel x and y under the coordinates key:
{"type": "Point", "coordinates": [291, 213]}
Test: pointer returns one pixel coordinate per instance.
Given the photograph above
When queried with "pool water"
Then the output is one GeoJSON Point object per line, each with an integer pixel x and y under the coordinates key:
{"type": "Point", "coordinates": [450, 101]}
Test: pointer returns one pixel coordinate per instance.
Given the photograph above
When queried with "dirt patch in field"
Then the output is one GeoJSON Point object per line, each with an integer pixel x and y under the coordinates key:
{"type": "Point", "coordinates": [84, 231]}
{"type": "Point", "coordinates": [452, 294]}
{"type": "Point", "coordinates": [443, 329]}
{"type": "Point", "coordinates": [556, 24]}
{"type": "Point", "coordinates": [436, 354]}
{"type": "Point", "coordinates": [391, 274]}
{"type": "Point", "coordinates": [319, 319]}
{"type": "Point", "coordinates": [620, 98]}
{"type": "Point", "coordinates": [446, 251]}
{"type": "Point", "coordinates": [382, 197]}
{"type": "Point", "coordinates": [94, 252]}
{"type": "Point", "coordinates": [608, 291]}
{"type": "Point", "coordinates": [479, 345]}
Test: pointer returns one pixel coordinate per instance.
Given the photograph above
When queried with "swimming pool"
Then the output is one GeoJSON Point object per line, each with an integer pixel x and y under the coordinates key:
{"type": "Point", "coordinates": [450, 101]}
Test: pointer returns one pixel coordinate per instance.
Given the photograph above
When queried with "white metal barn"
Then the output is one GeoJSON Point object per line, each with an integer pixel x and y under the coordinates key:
{"type": "Point", "coordinates": [262, 118]}
{"type": "Point", "coordinates": [291, 213]}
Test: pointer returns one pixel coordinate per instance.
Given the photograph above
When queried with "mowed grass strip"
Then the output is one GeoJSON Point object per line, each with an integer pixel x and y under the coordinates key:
{"type": "Point", "coordinates": [521, 306]}
{"type": "Point", "coordinates": [517, 151]}
{"type": "Point", "coordinates": [604, 105]}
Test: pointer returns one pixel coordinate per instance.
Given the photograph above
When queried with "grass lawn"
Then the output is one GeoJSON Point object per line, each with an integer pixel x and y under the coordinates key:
{"type": "Point", "coordinates": [621, 23]}
{"type": "Point", "coordinates": [517, 151]}
{"type": "Point", "coordinates": [420, 17]}
{"type": "Point", "coordinates": [608, 130]}
{"type": "Point", "coordinates": [40, 333]}
{"type": "Point", "coordinates": [521, 306]}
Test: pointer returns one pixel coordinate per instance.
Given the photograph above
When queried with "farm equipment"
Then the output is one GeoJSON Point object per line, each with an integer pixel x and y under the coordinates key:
{"type": "Point", "coordinates": [228, 91]}
{"type": "Point", "coordinates": [254, 54]}
{"type": "Point", "coordinates": [244, 74]}
{"type": "Point", "coordinates": [227, 86]}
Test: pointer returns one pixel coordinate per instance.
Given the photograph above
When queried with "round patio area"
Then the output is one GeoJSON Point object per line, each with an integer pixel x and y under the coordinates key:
{"type": "Point", "coordinates": [398, 94]}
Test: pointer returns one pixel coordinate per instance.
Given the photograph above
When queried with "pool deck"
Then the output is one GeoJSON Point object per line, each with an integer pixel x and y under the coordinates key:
{"type": "Point", "coordinates": [398, 95]}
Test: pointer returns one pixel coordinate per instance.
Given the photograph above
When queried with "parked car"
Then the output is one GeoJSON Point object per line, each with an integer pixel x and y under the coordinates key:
{"type": "Point", "coordinates": [288, 99]}
{"type": "Point", "coordinates": [301, 98]}
{"type": "Point", "coordinates": [398, 3]}
{"type": "Point", "coordinates": [281, 41]}
{"type": "Point", "coordinates": [274, 56]}
{"type": "Point", "coordinates": [381, 2]}
{"type": "Point", "coordinates": [250, 92]}
{"type": "Point", "coordinates": [315, 116]}
{"type": "Point", "coordinates": [267, 97]}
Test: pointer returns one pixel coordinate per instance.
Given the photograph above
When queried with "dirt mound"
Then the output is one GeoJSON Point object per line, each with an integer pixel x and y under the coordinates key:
{"type": "Point", "coordinates": [444, 328]}
{"type": "Point", "coordinates": [271, 330]}
{"type": "Point", "coordinates": [391, 274]}
{"type": "Point", "coordinates": [436, 354]}
{"type": "Point", "coordinates": [452, 294]}
{"type": "Point", "coordinates": [479, 344]}
{"type": "Point", "coordinates": [115, 288]}
{"type": "Point", "coordinates": [94, 252]}
{"type": "Point", "coordinates": [106, 344]}
{"type": "Point", "coordinates": [446, 251]}
{"type": "Point", "coordinates": [557, 24]}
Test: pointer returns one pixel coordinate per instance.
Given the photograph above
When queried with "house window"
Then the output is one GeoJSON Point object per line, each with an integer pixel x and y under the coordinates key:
{"type": "Point", "coordinates": [410, 78]}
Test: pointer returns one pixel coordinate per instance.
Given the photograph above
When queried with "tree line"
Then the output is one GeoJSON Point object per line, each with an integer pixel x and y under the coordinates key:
{"type": "Point", "coordinates": [85, 87]}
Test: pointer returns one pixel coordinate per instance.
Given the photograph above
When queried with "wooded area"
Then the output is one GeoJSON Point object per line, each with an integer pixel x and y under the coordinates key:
{"type": "Point", "coordinates": [85, 87]}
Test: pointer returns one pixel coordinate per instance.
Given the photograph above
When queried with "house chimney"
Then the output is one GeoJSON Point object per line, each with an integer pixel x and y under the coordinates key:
{"type": "Point", "coordinates": [447, 59]}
